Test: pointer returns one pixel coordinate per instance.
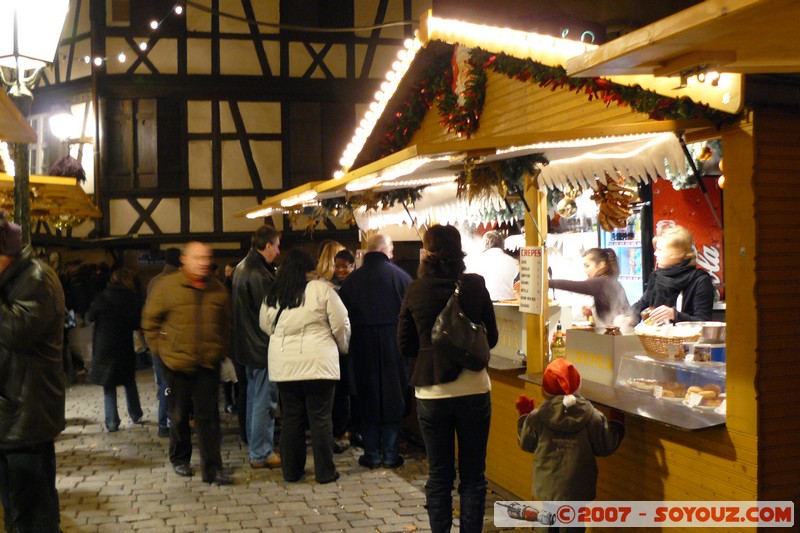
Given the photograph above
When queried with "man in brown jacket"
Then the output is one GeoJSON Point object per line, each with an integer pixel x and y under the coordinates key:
{"type": "Point", "coordinates": [186, 322]}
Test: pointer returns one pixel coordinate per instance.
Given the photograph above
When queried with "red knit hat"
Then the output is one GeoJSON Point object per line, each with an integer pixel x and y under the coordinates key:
{"type": "Point", "coordinates": [561, 377]}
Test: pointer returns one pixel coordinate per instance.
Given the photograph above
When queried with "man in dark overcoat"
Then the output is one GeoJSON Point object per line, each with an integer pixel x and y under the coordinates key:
{"type": "Point", "coordinates": [373, 294]}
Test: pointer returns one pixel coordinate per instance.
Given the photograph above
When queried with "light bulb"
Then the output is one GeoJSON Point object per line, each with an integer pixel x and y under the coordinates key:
{"type": "Point", "coordinates": [154, 24]}
{"type": "Point", "coordinates": [178, 9]}
{"type": "Point", "coordinates": [142, 46]}
{"type": "Point", "coordinates": [98, 61]}
{"type": "Point", "coordinates": [121, 57]}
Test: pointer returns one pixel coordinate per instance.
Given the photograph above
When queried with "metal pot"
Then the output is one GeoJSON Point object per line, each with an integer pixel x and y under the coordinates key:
{"type": "Point", "coordinates": [710, 332]}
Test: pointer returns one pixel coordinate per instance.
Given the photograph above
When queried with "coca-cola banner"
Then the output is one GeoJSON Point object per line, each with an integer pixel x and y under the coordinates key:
{"type": "Point", "coordinates": [688, 208]}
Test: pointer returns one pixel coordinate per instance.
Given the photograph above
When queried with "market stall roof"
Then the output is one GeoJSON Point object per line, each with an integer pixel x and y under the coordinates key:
{"type": "Point", "coordinates": [13, 126]}
{"type": "Point", "coordinates": [734, 36]}
{"type": "Point", "coordinates": [51, 196]}
{"type": "Point", "coordinates": [585, 151]}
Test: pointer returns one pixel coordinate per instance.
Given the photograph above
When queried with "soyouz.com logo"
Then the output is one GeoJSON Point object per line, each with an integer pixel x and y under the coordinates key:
{"type": "Point", "coordinates": [644, 514]}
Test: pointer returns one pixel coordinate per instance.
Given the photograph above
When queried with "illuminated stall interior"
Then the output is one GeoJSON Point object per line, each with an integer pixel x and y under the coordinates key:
{"type": "Point", "coordinates": [556, 132]}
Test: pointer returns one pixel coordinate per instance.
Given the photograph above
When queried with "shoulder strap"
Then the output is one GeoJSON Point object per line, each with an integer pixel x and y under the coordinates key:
{"type": "Point", "coordinates": [278, 317]}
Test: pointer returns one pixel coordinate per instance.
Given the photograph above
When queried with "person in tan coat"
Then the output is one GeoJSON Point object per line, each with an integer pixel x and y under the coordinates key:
{"type": "Point", "coordinates": [187, 325]}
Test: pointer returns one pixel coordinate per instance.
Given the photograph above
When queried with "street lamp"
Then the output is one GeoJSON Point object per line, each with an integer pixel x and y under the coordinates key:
{"type": "Point", "coordinates": [30, 31]}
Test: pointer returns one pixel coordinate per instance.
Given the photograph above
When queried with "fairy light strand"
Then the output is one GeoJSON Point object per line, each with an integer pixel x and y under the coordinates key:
{"type": "Point", "coordinates": [178, 9]}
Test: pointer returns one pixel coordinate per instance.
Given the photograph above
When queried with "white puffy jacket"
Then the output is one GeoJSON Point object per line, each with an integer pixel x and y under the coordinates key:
{"type": "Point", "coordinates": [306, 341]}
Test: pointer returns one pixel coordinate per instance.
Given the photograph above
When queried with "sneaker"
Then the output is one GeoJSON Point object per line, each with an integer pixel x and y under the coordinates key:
{"type": "Point", "coordinates": [183, 470]}
{"type": "Point", "coordinates": [273, 462]}
{"type": "Point", "coordinates": [163, 433]}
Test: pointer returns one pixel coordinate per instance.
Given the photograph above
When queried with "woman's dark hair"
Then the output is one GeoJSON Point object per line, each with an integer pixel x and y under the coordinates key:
{"type": "Point", "coordinates": [607, 256]}
{"type": "Point", "coordinates": [122, 278]}
{"type": "Point", "coordinates": [290, 283]}
{"type": "Point", "coordinates": [345, 254]}
{"type": "Point", "coordinates": [70, 167]}
{"type": "Point", "coordinates": [444, 257]}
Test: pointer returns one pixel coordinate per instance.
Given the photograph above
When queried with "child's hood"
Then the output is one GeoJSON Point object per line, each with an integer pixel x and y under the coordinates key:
{"type": "Point", "coordinates": [557, 417]}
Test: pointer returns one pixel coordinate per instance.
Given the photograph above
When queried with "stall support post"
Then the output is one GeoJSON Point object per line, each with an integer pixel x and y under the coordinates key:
{"type": "Point", "coordinates": [536, 325]}
{"type": "Point", "coordinates": [23, 99]}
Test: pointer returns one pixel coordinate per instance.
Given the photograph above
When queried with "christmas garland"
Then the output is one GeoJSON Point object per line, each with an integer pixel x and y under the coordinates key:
{"type": "Point", "coordinates": [503, 177]}
{"type": "Point", "coordinates": [657, 107]}
{"type": "Point", "coordinates": [464, 120]}
{"type": "Point", "coordinates": [344, 207]}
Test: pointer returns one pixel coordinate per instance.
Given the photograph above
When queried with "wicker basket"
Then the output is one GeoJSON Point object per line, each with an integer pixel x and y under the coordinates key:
{"type": "Point", "coordinates": [661, 347]}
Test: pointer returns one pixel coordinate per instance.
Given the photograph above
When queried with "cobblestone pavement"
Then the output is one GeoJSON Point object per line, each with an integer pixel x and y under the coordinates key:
{"type": "Point", "coordinates": [122, 481]}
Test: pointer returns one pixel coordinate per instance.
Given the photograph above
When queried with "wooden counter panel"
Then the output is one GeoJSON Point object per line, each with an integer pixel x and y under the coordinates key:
{"type": "Point", "coordinates": [506, 464]}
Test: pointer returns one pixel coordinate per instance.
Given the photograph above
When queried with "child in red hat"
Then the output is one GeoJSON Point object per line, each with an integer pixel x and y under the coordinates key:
{"type": "Point", "coordinates": [565, 434]}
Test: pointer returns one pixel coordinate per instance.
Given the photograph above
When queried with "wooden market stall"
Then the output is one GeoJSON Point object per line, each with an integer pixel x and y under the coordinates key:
{"type": "Point", "coordinates": [13, 126]}
{"type": "Point", "coordinates": [60, 202]}
{"type": "Point", "coordinates": [519, 102]}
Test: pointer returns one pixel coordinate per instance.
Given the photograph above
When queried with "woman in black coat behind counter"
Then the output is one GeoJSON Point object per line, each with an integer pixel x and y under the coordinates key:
{"type": "Point", "coordinates": [452, 403]}
{"type": "Point", "coordinates": [116, 312]}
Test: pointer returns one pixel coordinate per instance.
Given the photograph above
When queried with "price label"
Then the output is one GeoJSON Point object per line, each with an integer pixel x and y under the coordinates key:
{"type": "Point", "coordinates": [722, 409]}
{"type": "Point", "coordinates": [674, 351]}
{"type": "Point", "coordinates": [694, 399]}
{"type": "Point", "coordinates": [658, 391]}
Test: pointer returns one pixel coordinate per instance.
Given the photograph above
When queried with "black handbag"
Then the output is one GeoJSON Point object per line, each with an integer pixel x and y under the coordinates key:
{"type": "Point", "coordinates": [461, 340]}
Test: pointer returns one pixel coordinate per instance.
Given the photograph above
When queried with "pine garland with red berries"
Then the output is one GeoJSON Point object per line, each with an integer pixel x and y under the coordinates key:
{"type": "Point", "coordinates": [464, 119]}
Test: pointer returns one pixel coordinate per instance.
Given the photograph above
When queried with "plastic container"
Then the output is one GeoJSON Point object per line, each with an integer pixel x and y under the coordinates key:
{"type": "Point", "coordinates": [642, 374]}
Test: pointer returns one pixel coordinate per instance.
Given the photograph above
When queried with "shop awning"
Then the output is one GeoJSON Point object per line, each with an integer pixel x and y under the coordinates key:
{"type": "Point", "coordinates": [13, 126]}
{"type": "Point", "coordinates": [52, 198]}
{"type": "Point", "coordinates": [575, 156]}
{"type": "Point", "coordinates": [732, 36]}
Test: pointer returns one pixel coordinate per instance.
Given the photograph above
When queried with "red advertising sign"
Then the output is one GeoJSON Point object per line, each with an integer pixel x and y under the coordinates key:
{"type": "Point", "coordinates": [688, 208]}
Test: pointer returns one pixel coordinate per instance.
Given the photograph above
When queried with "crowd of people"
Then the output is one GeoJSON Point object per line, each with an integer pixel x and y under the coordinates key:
{"type": "Point", "coordinates": [317, 345]}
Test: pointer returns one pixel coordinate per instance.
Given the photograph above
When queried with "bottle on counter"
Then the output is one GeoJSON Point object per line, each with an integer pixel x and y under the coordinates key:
{"type": "Point", "coordinates": [558, 348]}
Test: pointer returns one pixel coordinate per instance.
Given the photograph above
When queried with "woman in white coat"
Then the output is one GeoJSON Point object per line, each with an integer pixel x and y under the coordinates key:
{"type": "Point", "coordinates": [308, 328]}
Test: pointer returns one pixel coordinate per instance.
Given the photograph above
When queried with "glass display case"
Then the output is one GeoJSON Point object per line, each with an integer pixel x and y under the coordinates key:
{"type": "Point", "coordinates": [695, 385]}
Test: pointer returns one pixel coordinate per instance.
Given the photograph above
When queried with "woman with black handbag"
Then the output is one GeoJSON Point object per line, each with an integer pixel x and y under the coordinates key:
{"type": "Point", "coordinates": [452, 402]}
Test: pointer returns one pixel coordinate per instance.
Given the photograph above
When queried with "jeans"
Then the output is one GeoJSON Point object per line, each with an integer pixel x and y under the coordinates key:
{"type": "Point", "coordinates": [380, 443]}
{"type": "Point", "coordinates": [312, 400]}
{"type": "Point", "coordinates": [241, 400]}
{"type": "Point", "coordinates": [442, 421]}
{"type": "Point", "coordinates": [262, 402]}
{"type": "Point", "coordinates": [131, 398]}
{"type": "Point", "coordinates": [28, 489]}
{"type": "Point", "coordinates": [197, 393]}
{"type": "Point", "coordinates": [163, 418]}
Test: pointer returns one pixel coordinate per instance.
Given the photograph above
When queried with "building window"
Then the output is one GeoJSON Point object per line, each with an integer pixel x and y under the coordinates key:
{"type": "Point", "coordinates": [145, 144]}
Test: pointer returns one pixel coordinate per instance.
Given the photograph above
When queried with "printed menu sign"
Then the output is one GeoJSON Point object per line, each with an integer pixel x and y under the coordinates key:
{"type": "Point", "coordinates": [530, 280]}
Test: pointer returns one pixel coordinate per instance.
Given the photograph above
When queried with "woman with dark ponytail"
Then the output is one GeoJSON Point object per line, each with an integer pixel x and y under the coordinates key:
{"type": "Point", "coordinates": [308, 327]}
{"type": "Point", "coordinates": [602, 270]}
{"type": "Point", "coordinates": [452, 403]}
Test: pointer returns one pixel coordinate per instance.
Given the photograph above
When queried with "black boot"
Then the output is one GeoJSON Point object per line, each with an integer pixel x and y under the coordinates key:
{"type": "Point", "coordinates": [440, 515]}
{"type": "Point", "coordinates": [473, 509]}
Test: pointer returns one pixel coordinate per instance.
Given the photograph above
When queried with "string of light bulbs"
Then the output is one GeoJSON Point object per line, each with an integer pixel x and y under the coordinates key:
{"type": "Point", "coordinates": [178, 9]}
{"type": "Point", "coordinates": [98, 61]}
